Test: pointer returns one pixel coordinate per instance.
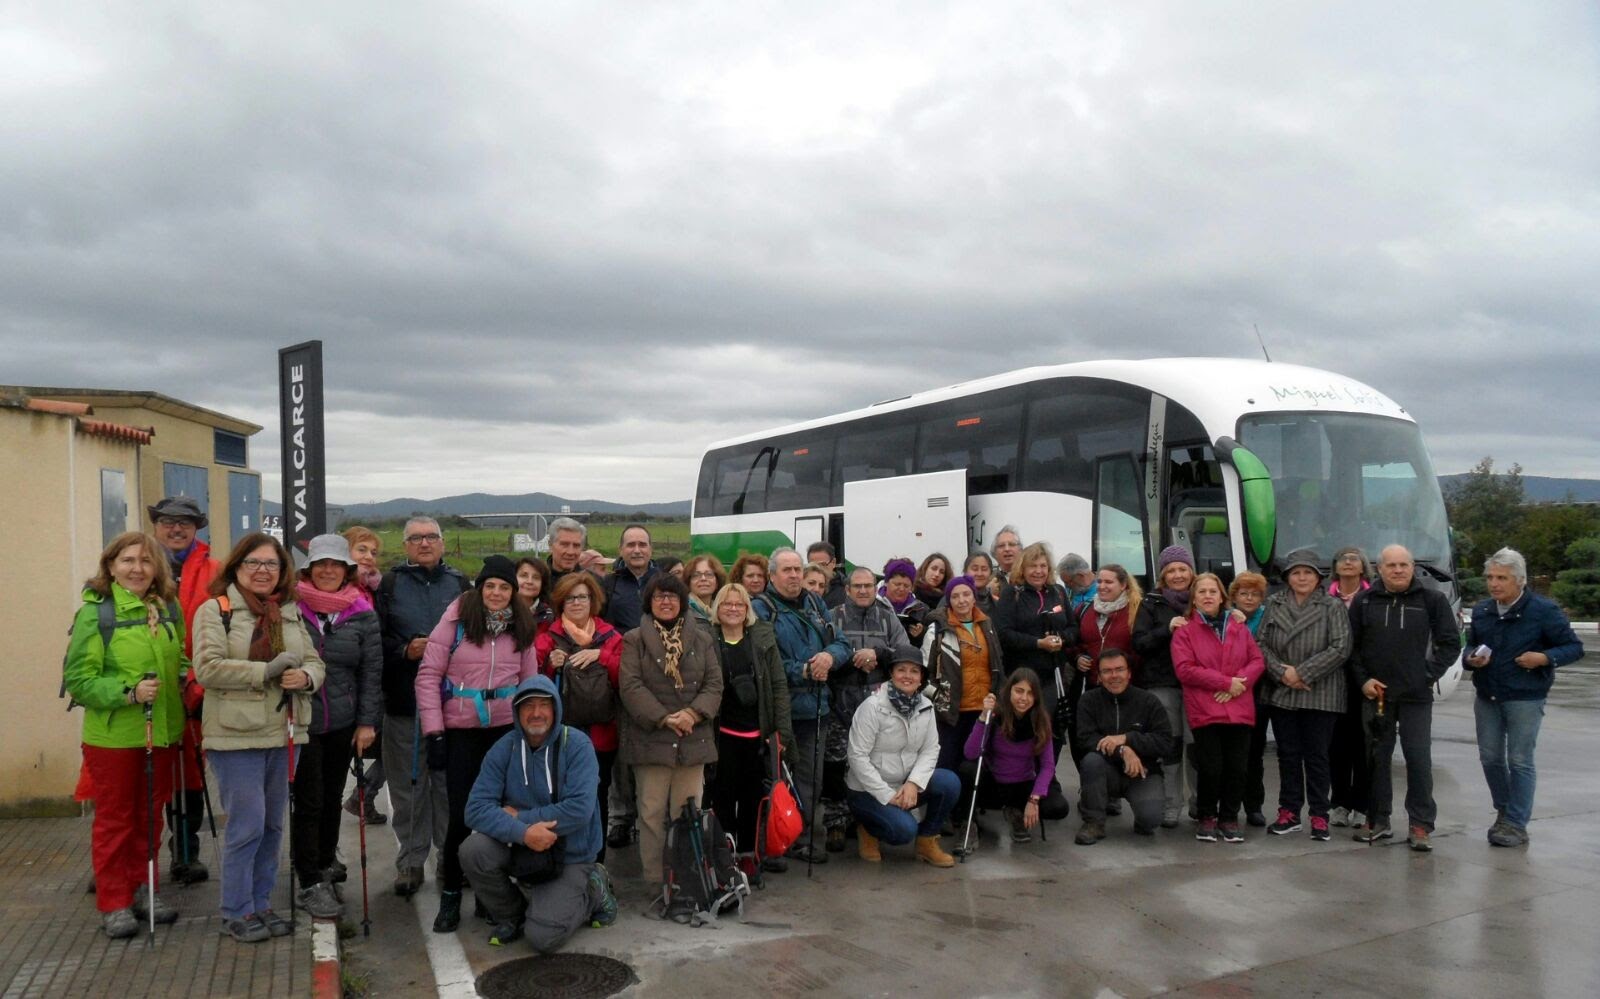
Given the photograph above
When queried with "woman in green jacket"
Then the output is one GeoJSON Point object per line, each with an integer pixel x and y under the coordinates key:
{"type": "Point", "coordinates": [128, 628]}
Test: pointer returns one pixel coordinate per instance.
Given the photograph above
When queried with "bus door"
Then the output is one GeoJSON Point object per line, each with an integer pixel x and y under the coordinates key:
{"type": "Point", "coordinates": [908, 516]}
{"type": "Point", "coordinates": [1119, 515]}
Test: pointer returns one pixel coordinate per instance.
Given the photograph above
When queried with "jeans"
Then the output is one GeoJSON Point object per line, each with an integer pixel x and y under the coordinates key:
{"type": "Point", "coordinates": [1103, 780]}
{"type": "Point", "coordinates": [1413, 721]}
{"type": "Point", "coordinates": [1221, 755]}
{"type": "Point", "coordinates": [896, 826]}
{"type": "Point", "coordinates": [254, 787]}
{"type": "Point", "coordinates": [1303, 736]}
{"type": "Point", "coordinates": [1507, 732]}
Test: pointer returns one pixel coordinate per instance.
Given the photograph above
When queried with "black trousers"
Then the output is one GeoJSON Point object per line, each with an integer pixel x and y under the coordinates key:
{"type": "Point", "coordinates": [993, 794]}
{"type": "Point", "coordinates": [1255, 781]}
{"type": "Point", "coordinates": [1350, 773]}
{"type": "Point", "coordinates": [1221, 761]}
{"type": "Point", "coordinates": [1104, 780]}
{"type": "Point", "coordinates": [607, 759]}
{"type": "Point", "coordinates": [1303, 737]}
{"type": "Point", "coordinates": [1414, 722]}
{"type": "Point", "coordinates": [738, 786]}
{"type": "Point", "coordinates": [321, 766]}
{"type": "Point", "coordinates": [464, 750]}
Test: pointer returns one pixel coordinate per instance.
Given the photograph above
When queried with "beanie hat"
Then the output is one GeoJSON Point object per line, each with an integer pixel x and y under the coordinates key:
{"type": "Point", "coordinates": [956, 581]}
{"type": "Point", "coordinates": [497, 567]}
{"type": "Point", "coordinates": [899, 567]}
{"type": "Point", "coordinates": [1174, 553]}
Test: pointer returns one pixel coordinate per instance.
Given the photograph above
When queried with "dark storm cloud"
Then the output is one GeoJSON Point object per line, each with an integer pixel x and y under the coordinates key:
{"type": "Point", "coordinates": [548, 248]}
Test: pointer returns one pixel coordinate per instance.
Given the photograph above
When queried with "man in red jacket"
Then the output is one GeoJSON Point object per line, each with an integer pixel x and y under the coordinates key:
{"type": "Point", "coordinates": [175, 522]}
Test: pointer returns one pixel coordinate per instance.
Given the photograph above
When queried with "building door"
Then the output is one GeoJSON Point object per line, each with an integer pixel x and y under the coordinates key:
{"type": "Point", "coordinates": [244, 504]}
{"type": "Point", "coordinates": [190, 481]}
{"type": "Point", "coordinates": [113, 504]}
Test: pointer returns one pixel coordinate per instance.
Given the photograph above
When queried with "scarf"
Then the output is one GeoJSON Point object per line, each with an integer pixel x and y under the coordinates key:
{"type": "Point", "coordinates": [1219, 624]}
{"type": "Point", "coordinates": [1178, 600]}
{"type": "Point", "coordinates": [370, 579]}
{"type": "Point", "coordinates": [581, 635]}
{"type": "Point", "coordinates": [903, 702]}
{"type": "Point", "coordinates": [1022, 729]}
{"type": "Point", "coordinates": [899, 608]}
{"type": "Point", "coordinates": [266, 640]}
{"type": "Point", "coordinates": [1106, 608]}
{"type": "Point", "coordinates": [323, 602]}
{"type": "Point", "coordinates": [672, 642]}
{"type": "Point", "coordinates": [495, 622]}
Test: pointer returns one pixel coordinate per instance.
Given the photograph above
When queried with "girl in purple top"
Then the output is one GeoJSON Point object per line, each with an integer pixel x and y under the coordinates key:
{"type": "Point", "coordinates": [1018, 762]}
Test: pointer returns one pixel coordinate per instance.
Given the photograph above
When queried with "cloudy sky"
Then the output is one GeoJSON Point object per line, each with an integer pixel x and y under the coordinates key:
{"type": "Point", "coordinates": [562, 246]}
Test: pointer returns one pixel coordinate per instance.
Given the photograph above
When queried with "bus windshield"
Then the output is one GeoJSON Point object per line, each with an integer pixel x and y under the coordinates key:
{"type": "Point", "coordinates": [1346, 479]}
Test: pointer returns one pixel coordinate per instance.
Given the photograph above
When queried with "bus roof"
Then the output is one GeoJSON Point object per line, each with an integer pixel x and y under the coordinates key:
{"type": "Point", "coordinates": [1218, 390]}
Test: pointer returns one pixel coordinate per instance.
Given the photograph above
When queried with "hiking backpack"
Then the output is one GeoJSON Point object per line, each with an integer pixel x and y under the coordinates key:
{"type": "Point", "coordinates": [108, 624]}
{"type": "Point", "coordinates": [700, 878]}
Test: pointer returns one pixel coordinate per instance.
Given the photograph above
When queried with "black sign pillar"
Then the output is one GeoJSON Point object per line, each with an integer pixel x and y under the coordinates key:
{"type": "Point", "coordinates": [305, 507]}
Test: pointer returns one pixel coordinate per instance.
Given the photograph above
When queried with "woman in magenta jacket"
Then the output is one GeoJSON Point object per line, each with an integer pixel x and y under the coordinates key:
{"type": "Point", "coordinates": [1218, 664]}
{"type": "Point", "coordinates": [479, 651]}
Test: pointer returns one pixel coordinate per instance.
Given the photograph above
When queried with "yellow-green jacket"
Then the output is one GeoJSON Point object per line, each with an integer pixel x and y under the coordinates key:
{"type": "Point", "coordinates": [99, 675]}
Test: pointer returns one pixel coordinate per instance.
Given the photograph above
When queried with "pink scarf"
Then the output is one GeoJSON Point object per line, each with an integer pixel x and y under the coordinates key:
{"type": "Point", "coordinates": [323, 602]}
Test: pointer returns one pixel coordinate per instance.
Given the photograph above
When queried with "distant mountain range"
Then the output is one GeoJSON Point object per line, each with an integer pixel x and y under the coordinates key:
{"type": "Point", "coordinates": [1544, 489]}
{"type": "Point", "coordinates": [446, 506]}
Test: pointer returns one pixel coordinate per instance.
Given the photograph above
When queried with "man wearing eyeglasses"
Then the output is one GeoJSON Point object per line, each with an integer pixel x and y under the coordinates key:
{"type": "Point", "coordinates": [411, 599]}
{"type": "Point", "coordinates": [177, 521]}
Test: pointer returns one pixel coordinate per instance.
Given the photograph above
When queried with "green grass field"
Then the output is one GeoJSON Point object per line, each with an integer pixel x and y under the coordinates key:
{"type": "Point", "coordinates": [466, 548]}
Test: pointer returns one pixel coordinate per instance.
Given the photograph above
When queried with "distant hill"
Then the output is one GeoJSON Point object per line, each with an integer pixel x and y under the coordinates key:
{"type": "Point", "coordinates": [489, 503]}
{"type": "Point", "coordinates": [1545, 489]}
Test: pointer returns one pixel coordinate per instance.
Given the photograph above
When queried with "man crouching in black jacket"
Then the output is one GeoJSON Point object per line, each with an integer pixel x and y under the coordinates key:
{"type": "Point", "coordinates": [1123, 733]}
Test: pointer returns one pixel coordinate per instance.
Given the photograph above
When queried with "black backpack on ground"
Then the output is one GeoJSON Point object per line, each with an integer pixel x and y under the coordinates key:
{"type": "Point", "coordinates": [700, 878]}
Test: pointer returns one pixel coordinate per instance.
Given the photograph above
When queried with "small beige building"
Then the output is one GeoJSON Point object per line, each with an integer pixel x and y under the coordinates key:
{"type": "Point", "coordinates": [77, 468]}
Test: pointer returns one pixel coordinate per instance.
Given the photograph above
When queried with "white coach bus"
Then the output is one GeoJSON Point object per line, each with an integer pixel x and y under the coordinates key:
{"type": "Point", "coordinates": [1240, 461]}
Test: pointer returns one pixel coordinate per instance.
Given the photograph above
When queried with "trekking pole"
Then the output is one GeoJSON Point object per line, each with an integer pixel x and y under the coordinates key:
{"type": "Point", "coordinates": [205, 792]}
{"type": "Point", "coordinates": [150, 814]}
{"type": "Point", "coordinates": [286, 704]}
{"type": "Point", "coordinates": [972, 808]}
{"type": "Point", "coordinates": [816, 781]}
{"type": "Point", "coordinates": [361, 798]}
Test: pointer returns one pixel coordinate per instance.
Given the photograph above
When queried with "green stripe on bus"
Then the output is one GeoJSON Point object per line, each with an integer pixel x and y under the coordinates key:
{"type": "Point", "coordinates": [728, 547]}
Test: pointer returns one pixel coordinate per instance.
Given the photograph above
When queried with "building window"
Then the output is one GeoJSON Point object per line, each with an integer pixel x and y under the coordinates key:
{"type": "Point", "coordinates": [231, 449]}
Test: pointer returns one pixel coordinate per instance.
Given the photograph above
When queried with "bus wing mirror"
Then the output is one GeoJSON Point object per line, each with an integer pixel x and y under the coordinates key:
{"type": "Point", "coordinates": [1260, 503]}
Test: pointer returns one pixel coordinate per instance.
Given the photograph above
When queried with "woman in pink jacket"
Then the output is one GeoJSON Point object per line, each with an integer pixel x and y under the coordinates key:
{"type": "Point", "coordinates": [477, 654]}
{"type": "Point", "coordinates": [1218, 664]}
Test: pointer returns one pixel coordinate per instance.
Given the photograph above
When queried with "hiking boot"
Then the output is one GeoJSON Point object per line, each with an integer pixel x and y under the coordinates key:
{"type": "Point", "coordinates": [191, 873]}
{"type": "Point", "coordinates": [276, 925]}
{"type": "Point", "coordinates": [1339, 817]}
{"type": "Point", "coordinates": [1374, 830]}
{"type": "Point", "coordinates": [1288, 822]}
{"type": "Point", "coordinates": [319, 900]}
{"type": "Point", "coordinates": [1206, 831]}
{"type": "Point", "coordinates": [1091, 833]}
{"type": "Point", "coordinates": [165, 913]}
{"type": "Point", "coordinates": [835, 842]}
{"type": "Point", "coordinates": [774, 865]}
{"type": "Point", "coordinates": [248, 929]}
{"type": "Point", "coordinates": [1417, 839]}
{"type": "Point", "coordinates": [120, 925]}
{"type": "Point", "coordinates": [1319, 829]}
{"type": "Point", "coordinates": [449, 917]}
{"type": "Point", "coordinates": [408, 882]}
{"type": "Point", "coordinates": [1230, 832]}
{"type": "Point", "coordinates": [619, 837]}
{"type": "Point", "coordinates": [867, 845]}
{"type": "Point", "coordinates": [806, 853]}
{"type": "Point", "coordinates": [1169, 818]}
{"type": "Point", "coordinates": [336, 873]}
{"type": "Point", "coordinates": [505, 933]}
{"type": "Point", "coordinates": [1506, 834]}
{"type": "Point", "coordinates": [929, 850]}
{"type": "Point", "coordinates": [1257, 819]}
{"type": "Point", "coordinates": [1019, 830]}
{"type": "Point", "coordinates": [1357, 819]}
{"type": "Point", "coordinates": [352, 805]}
{"type": "Point", "coordinates": [605, 913]}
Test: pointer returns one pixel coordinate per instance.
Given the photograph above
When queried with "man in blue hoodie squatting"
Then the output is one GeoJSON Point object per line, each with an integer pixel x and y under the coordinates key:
{"type": "Point", "coordinates": [538, 789]}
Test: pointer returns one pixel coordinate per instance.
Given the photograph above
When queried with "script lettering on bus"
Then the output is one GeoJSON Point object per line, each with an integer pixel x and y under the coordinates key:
{"type": "Point", "coordinates": [1316, 395]}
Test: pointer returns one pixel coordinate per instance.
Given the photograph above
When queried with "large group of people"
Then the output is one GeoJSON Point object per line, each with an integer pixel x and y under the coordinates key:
{"type": "Point", "coordinates": [530, 719]}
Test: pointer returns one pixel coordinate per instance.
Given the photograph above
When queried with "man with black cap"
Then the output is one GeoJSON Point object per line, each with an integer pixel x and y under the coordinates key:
{"type": "Point", "coordinates": [537, 793]}
{"type": "Point", "coordinates": [176, 522]}
{"type": "Point", "coordinates": [411, 599]}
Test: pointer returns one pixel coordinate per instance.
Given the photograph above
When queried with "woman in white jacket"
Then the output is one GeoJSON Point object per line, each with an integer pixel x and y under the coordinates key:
{"type": "Point", "coordinates": [894, 753]}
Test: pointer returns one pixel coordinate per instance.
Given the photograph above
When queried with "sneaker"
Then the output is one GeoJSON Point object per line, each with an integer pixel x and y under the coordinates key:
{"type": "Point", "coordinates": [336, 872]}
{"type": "Point", "coordinates": [1288, 822]}
{"type": "Point", "coordinates": [1319, 829]}
{"type": "Point", "coordinates": [835, 841]}
{"type": "Point", "coordinates": [1506, 834]}
{"type": "Point", "coordinates": [1019, 831]}
{"type": "Point", "coordinates": [1417, 839]}
{"type": "Point", "coordinates": [191, 873]}
{"type": "Point", "coordinates": [319, 901]}
{"type": "Point", "coordinates": [1231, 833]}
{"type": "Point", "coordinates": [505, 933]}
{"type": "Point", "coordinates": [449, 917]}
{"type": "Point", "coordinates": [1339, 817]}
{"type": "Point", "coordinates": [1257, 819]}
{"type": "Point", "coordinates": [804, 853]}
{"type": "Point", "coordinates": [408, 882]}
{"type": "Point", "coordinates": [1169, 819]}
{"type": "Point", "coordinates": [1358, 819]}
{"type": "Point", "coordinates": [1091, 833]}
{"type": "Point", "coordinates": [1373, 831]}
{"type": "Point", "coordinates": [165, 913]}
{"type": "Point", "coordinates": [1206, 831]}
{"type": "Point", "coordinates": [120, 925]}
{"type": "Point", "coordinates": [276, 925]}
{"type": "Point", "coordinates": [619, 837]}
{"type": "Point", "coordinates": [249, 929]}
{"type": "Point", "coordinates": [605, 913]}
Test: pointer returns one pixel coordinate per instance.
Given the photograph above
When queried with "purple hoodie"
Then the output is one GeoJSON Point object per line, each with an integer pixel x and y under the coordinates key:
{"type": "Point", "coordinates": [1013, 761]}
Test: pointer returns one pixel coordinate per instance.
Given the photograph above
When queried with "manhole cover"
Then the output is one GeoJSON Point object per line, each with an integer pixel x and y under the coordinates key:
{"type": "Point", "coordinates": [570, 976]}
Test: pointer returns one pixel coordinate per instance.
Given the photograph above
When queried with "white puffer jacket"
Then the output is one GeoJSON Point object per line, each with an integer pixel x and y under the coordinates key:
{"type": "Point", "coordinates": [887, 749]}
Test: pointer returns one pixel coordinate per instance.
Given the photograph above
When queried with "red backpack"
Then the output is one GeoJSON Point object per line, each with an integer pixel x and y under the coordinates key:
{"type": "Point", "coordinates": [779, 814]}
